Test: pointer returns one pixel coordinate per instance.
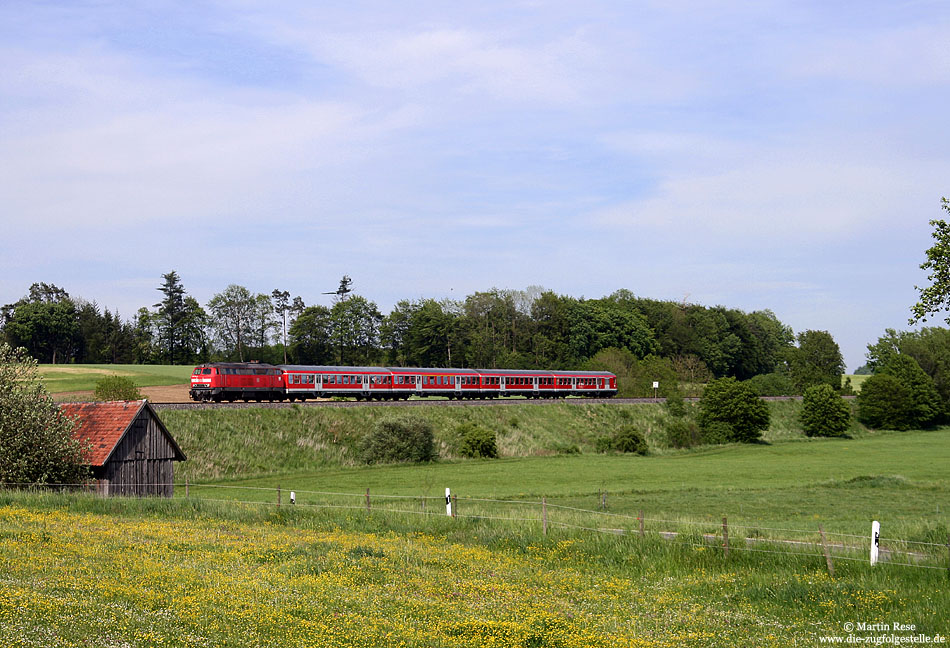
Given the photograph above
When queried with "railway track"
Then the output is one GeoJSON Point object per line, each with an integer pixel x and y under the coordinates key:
{"type": "Point", "coordinates": [438, 402]}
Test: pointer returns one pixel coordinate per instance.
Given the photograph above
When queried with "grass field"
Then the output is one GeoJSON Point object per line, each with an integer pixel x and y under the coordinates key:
{"type": "Point", "coordinates": [66, 378]}
{"type": "Point", "coordinates": [226, 567]}
{"type": "Point", "coordinates": [84, 571]}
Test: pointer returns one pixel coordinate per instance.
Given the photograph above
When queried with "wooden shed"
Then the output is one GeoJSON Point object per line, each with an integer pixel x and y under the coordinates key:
{"type": "Point", "coordinates": [132, 452]}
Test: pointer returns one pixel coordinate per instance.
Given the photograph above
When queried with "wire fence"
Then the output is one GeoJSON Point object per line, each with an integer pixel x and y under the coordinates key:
{"type": "Point", "coordinates": [540, 516]}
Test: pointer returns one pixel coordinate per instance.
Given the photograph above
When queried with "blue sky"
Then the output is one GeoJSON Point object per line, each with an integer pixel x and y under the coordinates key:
{"type": "Point", "coordinates": [779, 155]}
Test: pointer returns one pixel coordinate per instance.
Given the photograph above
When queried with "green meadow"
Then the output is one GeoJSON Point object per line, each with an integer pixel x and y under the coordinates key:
{"type": "Point", "coordinates": [66, 378]}
{"type": "Point", "coordinates": [546, 547]}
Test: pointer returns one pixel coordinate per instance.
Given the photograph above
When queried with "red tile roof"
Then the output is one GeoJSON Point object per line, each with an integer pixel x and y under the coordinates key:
{"type": "Point", "coordinates": [102, 424]}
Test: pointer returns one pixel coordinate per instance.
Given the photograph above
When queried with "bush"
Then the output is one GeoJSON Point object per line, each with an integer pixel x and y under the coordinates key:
{"type": "Point", "coordinates": [36, 442]}
{"type": "Point", "coordinates": [728, 402]}
{"type": "Point", "coordinates": [628, 440]}
{"type": "Point", "coordinates": [884, 402]}
{"type": "Point", "coordinates": [476, 442]}
{"type": "Point", "coordinates": [824, 412]}
{"type": "Point", "coordinates": [925, 407]}
{"type": "Point", "coordinates": [395, 440]}
{"type": "Point", "coordinates": [772, 384]}
{"type": "Point", "coordinates": [717, 433]}
{"type": "Point", "coordinates": [675, 405]}
{"type": "Point", "coordinates": [116, 388]}
{"type": "Point", "coordinates": [683, 433]}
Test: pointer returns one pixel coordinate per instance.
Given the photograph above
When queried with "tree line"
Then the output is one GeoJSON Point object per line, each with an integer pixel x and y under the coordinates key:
{"type": "Point", "coordinates": [640, 339]}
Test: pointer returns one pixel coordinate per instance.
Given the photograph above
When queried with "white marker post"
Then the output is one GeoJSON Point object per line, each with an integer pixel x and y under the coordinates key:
{"type": "Point", "coordinates": [293, 497]}
{"type": "Point", "coordinates": [448, 502]}
{"type": "Point", "coordinates": [875, 540]}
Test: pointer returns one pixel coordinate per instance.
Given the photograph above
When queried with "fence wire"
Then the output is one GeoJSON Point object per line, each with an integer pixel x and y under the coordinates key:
{"type": "Point", "coordinates": [543, 509]}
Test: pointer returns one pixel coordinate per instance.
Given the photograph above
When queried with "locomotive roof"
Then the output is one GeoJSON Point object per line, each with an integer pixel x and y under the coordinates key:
{"type": "Point", "coordinates": [242, 365]}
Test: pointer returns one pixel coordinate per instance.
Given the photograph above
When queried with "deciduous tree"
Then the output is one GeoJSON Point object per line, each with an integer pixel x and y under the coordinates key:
{"type": "Point", "coordinates": [36, 442]}
{"type": "Point", "coordinates": [935, 298]}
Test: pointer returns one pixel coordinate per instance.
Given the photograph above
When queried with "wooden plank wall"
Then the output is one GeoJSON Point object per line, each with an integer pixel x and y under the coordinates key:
{"type": "Point", "coordinates": [143, 462]}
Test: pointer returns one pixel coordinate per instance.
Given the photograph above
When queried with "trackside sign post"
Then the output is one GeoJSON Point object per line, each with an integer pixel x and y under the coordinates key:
{"type": "Point", "coordinates": [875, 540]}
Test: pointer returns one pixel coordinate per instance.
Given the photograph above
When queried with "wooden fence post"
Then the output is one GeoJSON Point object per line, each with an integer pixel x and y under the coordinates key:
{"type": "Point", "coordinates": [455, 505]}
{"type": "Point", "coordinates": [367, 499]}
{"type": "Point", "coordinates": [544, 514]}
{"type": "Point", "coordinates": [725, 538]}
{"type": "Point", "coordinates": [640, 520]}
{"type": "Point", "coordinates": [603, 500]}
{"type": "Point", "coordinates": [186, 488]}
{"type": "Point", "coordinates": [824, 547]}
{"type": "Point", "coordinates": [278, 495]}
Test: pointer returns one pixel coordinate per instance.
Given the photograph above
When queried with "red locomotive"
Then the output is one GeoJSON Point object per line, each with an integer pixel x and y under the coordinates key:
{"type": "Point", "coordinates": [231, 381]}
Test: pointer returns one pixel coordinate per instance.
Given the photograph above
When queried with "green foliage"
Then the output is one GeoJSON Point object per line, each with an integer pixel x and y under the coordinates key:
{"type": "Point", "coordinates": [36, 443]}
{"type": "Point", "coordinates": [635, 377]}
{"type": "Point", "coordinates": [718, 433]}
{"type": "Point", "coordinates": [729, 402]}
{"type": "Point", "coordinates": [924, 407]}
{"type": "Point", "coordinates": [772, 384]}
{"type": "Point", "coordinates": [117, 388]}
{"type": "Point", "coordinates": [936, 297]}
{"type": "Point", "coordinates": [817, 360]}
{"type": "Point", "coordinates": [675, 405]}
{"type": "Point", "coordinates": [629, 441]}
{"type": "Point", "coordinates": [884, 403]}
{"type": "Point", "coordinates": [399, 440]}
{"type": "Point", "coordinates": [45, 323]}
{"type": "Point", "coordinates": [178, 324]}
{"type": "Point", "coordinates": [930, 347]}
{"type": "Point", "coordinates": [683, 433]}
{"type": "Point", "coordinates": [476, 442]}
{"type": "Point", "coordinates": [311, 339]}
{"type": "Point", "coordinates": [824, 412]}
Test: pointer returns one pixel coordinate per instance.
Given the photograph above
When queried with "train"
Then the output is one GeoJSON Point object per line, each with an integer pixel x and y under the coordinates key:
{"type": "Point", "coordinates": [246, 381]}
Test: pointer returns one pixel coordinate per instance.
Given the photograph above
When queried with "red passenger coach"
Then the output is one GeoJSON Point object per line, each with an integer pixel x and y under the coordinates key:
{"type": "Point", "coordinates": [231, 381]}
{"type": "Point", "coordinates": [318, 381]}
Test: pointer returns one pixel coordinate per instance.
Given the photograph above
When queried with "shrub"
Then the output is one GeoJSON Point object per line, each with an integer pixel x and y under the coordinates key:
{"type": "Point", "coordinates": [772, 384]}
{"type": "Point", "coordinates": [476, 442]}
{"type": "Point", "coordinates": [36, 442]}
{"type": "Point", "coordinates": [730, 402]}
{"type": "Point", "coordinates": [925, 406]}
{"type": "Point", "coordinates": [675, 405]}
{"type": "Point", "coordinates": [824, 412]}
{"type": "Point", "coordinates": [683, 433]}
{"type": "Point", "coordinates": [604, 444]}
{"type": "Point", "coordinates": [116, 388]}
{"type": "Point", "coordinates": [628, 440]}
{"type": "Point", "coordinates": [717, 433]}
{"type": "Point", "coordinates": [884, 402]}
{"type": "Point", "coordinates": [403, 439]}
